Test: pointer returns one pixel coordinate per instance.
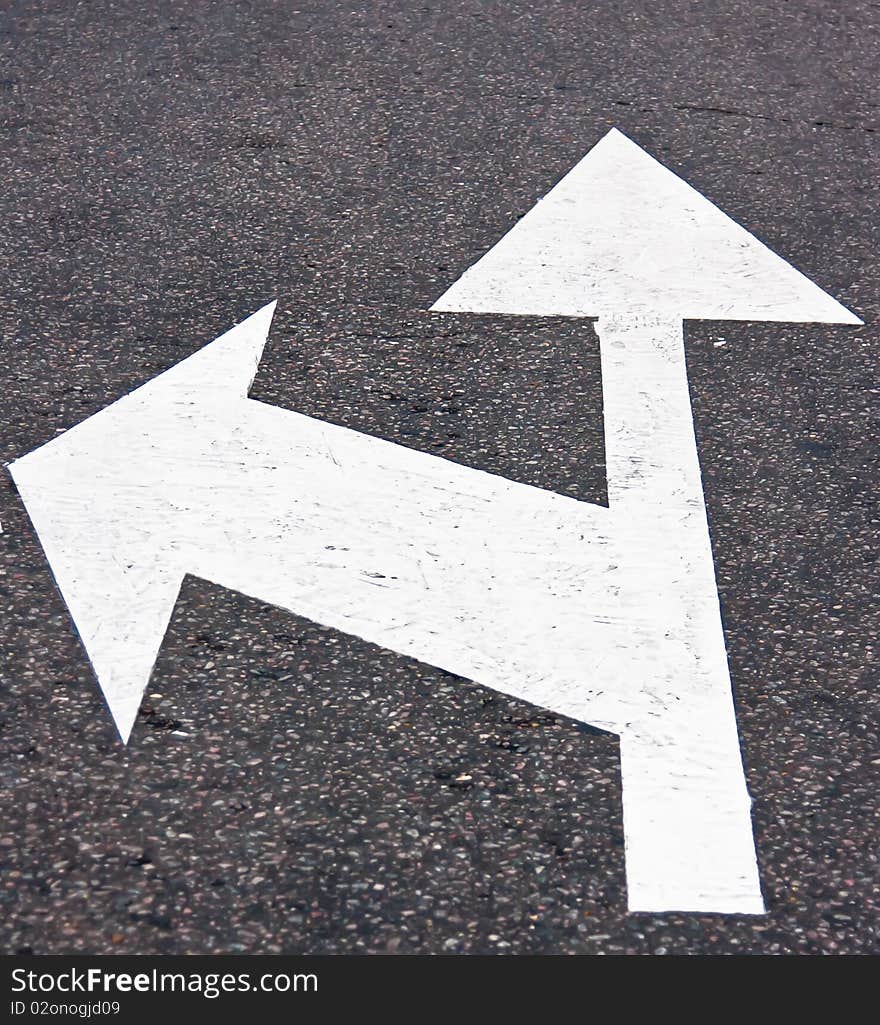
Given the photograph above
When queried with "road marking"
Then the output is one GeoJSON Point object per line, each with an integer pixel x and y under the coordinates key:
{"type": "Point", "coordinates": [623, 239]}
{"type": "Point", "coordinates": [607, 615]}
{"type": "Point", "coordinates": [620, 233]}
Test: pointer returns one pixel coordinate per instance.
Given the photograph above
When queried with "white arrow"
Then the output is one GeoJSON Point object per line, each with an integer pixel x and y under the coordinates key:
{"type": "Point", "coordinates": [606, 615]}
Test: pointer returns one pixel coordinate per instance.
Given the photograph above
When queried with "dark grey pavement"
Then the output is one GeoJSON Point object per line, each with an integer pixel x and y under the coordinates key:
{"type": "Point", "coordinates": [290, 789]}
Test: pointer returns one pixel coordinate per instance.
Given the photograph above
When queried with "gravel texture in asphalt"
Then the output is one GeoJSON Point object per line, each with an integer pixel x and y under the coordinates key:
{"type": "Point", "coordinates": [291, 789]}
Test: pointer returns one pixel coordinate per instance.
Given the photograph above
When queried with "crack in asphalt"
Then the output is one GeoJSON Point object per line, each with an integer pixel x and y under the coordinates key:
{"type": "Point", "coordinates": [730, 111]}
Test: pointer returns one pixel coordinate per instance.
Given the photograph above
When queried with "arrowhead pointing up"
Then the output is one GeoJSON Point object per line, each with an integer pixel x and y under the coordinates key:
{"type": "Point", "coordinates": [623, 234]}
{"type": "Point", "coordinates": [99, 496]}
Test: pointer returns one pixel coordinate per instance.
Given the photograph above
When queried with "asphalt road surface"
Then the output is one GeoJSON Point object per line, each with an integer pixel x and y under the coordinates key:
{"type": "Point", "coordinates": [292, 789]}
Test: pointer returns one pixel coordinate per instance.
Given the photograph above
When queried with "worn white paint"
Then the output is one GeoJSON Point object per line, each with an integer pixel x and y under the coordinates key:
{"type": "Point", "coordinates": [621, 233]}
{"type": "Point", "coordinates": [623, 239]}
{"type": "Point", "coordinates": [608, 615]}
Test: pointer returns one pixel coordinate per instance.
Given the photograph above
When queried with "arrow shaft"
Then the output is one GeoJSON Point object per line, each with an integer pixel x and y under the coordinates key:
{"type": "Point", "coordinates": [687, 819]}
{"type": "Point", "coordinates": [457, 568]}
{"type": "Point", "coordinates": [608, 615]}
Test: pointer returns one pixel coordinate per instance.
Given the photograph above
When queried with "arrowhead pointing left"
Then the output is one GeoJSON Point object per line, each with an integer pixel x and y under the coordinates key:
{"type": "Point", "coordinates": [102, 498]}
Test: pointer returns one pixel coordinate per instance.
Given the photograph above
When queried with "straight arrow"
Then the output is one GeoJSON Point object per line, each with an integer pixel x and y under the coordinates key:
{"type": "Point", "coordinates": [623, 239]}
